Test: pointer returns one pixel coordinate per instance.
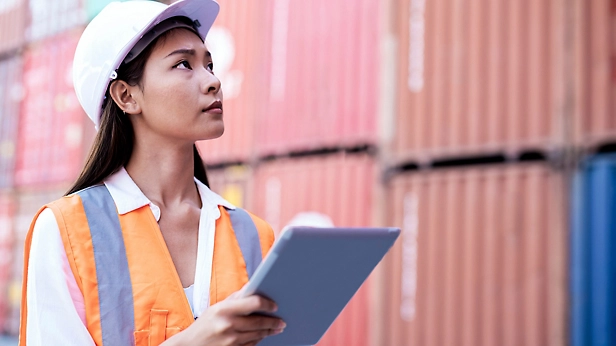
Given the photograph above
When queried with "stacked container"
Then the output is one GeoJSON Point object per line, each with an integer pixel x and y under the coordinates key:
{"type": "Point", "coordinates": [6, 255]}
{"type": "Point", "coordinates": [236, 47]}
{"type": "Point", "coordinates": [476, 77]}
{"type": "Point", "coordinates": [593, 253]}
{"type": "Point", "coordinates": [594, 73]}
{"type": "Point", "coordinates": [310, 87]}
{"type": "Point", "coordinates": [13, 21]}
{"type": "Point", "coordinates": [27, 203]}
{"type": "Point", "coordinates": [481, 260]}
{"type": "Point", "coordinates": [335, 190]}
{"type": "Point", "coordinates": [11, 93]}
{"type": "Point", "coordinates": [41, 126]}
{"type": "Point", "coordinates": [320, 85]}
{"type": "Point", "coordinates": [477, 80]}
{"type": "Point", "coordinates": [54, 155]}
{"type": "Point", "coordinates": [309, 82]}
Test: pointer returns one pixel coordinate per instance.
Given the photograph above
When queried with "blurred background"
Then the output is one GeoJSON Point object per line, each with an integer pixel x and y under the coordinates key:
{"type": "Point", "coordinates": [483, 128]}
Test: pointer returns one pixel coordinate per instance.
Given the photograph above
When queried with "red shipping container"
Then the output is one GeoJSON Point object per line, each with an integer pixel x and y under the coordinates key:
{"type": "Point", "coordinates": [49, 18]}
{"type": "Point", "coordinates": [13, 21]}
{"type": "Point", "coordinates": [235, 43]}
{"type": "Point", "coordinates": [476, 77]}
{"type": "Point", "coordinates": [27, 203]}
{"type": "Point", "coordinates": [6, 255]}
{"type": "Point", "coordinates": [320, 82]}
{"type": "Point", "coordinates": [481, 260]}
{"type": "Point", "coordinates": [594, 72]}
{"type": "Point", "coordinates": [336, 188]}
{"type": "Point", "coordinates": [11, 93]}
{"type": "Point", "coordinates": [50, 145]}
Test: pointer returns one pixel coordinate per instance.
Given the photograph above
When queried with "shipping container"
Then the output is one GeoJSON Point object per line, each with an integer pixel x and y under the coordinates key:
{"type": "Point", "coordinates": [593, 253]}
{"type": "Point", "coordinates": [235, 42]}
{"type": "Point", "coordinates": [50, 144]}
{"type": "Point", "coordinates": [320, 75]}
{"type": "Point", "coordinates": [323, 191]}
{"type": "Point", "coordinates": [50, 18]}
{"type": "Point", "coordinates": [481, 259]}
{"type": "Point", "coordinates": [6, 254]}
{"type": "Point", "coordinates": [11, 93]}
{"type": "Point", "coordinates": [477, 77]}
{"type": "Point", "coordinates": [13, 21]}
{"type": "Point", "coordinates": [27, 203]}
{"type": "Point", "coordinates": [594, 73]}
{"type": "Point", "coordinates": [234, 184]}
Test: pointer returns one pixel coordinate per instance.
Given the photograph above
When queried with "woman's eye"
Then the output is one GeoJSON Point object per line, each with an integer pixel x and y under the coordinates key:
{"type": "Point", "coordinates": [183, 64]}
{"type": "Point", "coordinates": [210, 67]}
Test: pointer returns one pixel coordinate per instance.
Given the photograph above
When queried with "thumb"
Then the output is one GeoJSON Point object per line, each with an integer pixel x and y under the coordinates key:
{"type": "Point", "coordinates": [240, 293]}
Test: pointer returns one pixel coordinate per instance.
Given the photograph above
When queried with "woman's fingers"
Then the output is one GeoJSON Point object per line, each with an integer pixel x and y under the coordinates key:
{"type": "Point", "coordinates": [249, 305]}
{"type": "Point", "coordinates": [257, 323]}
{"type": "Point", "coordinates": [254, 337]}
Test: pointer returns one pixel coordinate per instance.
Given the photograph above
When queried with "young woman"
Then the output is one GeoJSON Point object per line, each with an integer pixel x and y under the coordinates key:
{"type": "Point", "coordinates": [140, 251]}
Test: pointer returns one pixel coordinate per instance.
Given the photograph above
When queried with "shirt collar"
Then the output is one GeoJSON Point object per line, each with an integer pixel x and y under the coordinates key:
{"type": "Point", "coordinates": [210, 197]}
{"type": "Point", "coordinates": [128, 197]}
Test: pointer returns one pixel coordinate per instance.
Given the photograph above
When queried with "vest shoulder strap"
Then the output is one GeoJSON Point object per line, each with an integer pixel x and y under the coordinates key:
{"type": "Point", "coordinates": [247, 237]}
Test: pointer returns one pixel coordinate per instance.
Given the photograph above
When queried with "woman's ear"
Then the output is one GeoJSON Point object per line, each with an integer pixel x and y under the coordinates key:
{"type": "Point", "coordinates": [121, 93]}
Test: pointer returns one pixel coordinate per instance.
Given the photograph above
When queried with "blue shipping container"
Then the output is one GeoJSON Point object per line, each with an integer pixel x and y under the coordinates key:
{"type": "Point", "coordinates": [593, 253]}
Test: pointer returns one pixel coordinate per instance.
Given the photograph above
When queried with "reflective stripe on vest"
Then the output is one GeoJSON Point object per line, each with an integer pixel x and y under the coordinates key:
{"type": "Point", "coordinates": [247, 235]}
{"type": "Point", "coordinates": [115, 290]}
{"type": "Point", "coordinates": [112, 273]}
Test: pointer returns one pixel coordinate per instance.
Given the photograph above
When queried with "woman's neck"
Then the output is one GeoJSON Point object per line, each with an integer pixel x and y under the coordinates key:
{"type": "Point", "coordinates": [164, 173]}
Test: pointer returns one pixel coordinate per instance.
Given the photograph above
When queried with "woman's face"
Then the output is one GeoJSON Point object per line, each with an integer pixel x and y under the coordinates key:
{"type": "Point", "coordinates": [179, 96]}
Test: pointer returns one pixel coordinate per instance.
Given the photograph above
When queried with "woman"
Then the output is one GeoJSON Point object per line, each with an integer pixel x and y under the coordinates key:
{"type": "Point", "coordinates": [140, 247]}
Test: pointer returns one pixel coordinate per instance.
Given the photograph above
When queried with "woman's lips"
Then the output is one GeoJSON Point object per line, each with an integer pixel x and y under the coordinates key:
{"type": "Point", "coordinates": [214, 108]}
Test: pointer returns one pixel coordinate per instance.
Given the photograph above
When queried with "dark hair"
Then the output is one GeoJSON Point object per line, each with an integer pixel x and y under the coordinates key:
{"type": "Point", "coordinates": [114, 141]}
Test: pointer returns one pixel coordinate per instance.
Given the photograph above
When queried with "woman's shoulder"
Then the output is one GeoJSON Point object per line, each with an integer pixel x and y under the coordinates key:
{"type": "Point", "coordinates": [45, 219]}
{"type": "Point", "coordinates": [259, 222]}
{"type": "Point", "coordinates": [74, 199]}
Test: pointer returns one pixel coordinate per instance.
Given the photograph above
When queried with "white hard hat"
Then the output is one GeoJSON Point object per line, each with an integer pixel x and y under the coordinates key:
{"type": "Point", "coordinates": [114, 33]}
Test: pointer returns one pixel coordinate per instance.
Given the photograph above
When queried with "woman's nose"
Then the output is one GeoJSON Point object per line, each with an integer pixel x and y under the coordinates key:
{"type": "Point", "coordinates": [210, 83]}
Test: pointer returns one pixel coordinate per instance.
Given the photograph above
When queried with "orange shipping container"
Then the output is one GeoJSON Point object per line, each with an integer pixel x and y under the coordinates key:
{"type": "Point", "coordinates": [235, 43]}
{"type": "Point", "coordinates": [476, 76]}
{"type": "Point", "coordinates": [594, 76]}
{"type": "Point", "coordinates": [482, 259]}
{"type": "Point", "coordinates": [13, 21]}
{"type": "Point", "coordinates": [322, 190]}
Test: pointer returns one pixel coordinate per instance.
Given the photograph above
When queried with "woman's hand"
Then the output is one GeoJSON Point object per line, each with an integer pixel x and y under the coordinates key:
{"type": "Point", "coordinates": [231, 322]}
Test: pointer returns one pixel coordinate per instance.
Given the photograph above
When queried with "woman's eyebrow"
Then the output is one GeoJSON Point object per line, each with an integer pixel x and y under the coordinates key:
{"type": "Point", "coordinates": [188, 52]}
{"type": "Point", "coordinates": [182, 51]}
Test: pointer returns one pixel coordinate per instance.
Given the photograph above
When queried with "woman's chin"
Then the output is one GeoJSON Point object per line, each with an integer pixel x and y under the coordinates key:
{"type": "Point", "coordinates": [213, 133]}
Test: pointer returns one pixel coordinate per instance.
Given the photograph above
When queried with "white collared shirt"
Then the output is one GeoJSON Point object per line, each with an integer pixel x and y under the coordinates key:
{"type": "Point", "coordinates": [56, 308]}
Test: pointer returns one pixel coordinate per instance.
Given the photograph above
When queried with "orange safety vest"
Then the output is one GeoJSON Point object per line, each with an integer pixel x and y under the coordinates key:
{"type": "Point", "coordinates": [132, 292]}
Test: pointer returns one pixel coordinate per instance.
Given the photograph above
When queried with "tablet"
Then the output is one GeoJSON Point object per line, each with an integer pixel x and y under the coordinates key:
{"type": "Point", "coordinates": [312, 273]}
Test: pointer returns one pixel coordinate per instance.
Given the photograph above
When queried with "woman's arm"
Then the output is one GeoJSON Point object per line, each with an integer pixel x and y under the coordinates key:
{"type": "Point", "coordinates": [56, 312]}
{"type": "Point", "coordinates": [231, 322]}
